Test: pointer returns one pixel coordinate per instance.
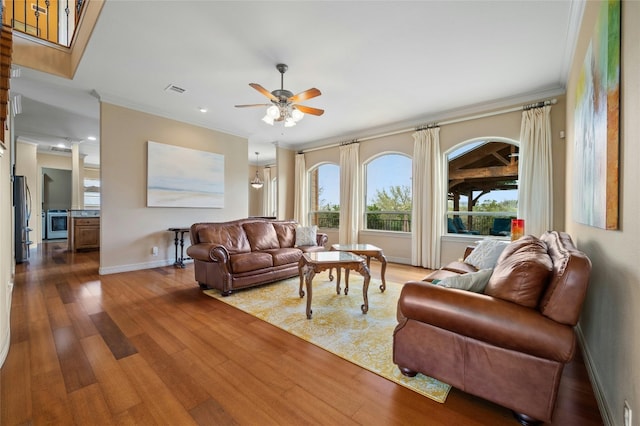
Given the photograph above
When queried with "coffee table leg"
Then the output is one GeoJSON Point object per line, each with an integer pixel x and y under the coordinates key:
{"type": "Point", "coordinates": [383, 269]}
{"type": "Point", "coordinates": [301, 264]}
{"type": "Point", "coordinates": [364, 271]}
{"type": "Point", "coordinates": [309, 274]}
{"type": "Point", "coordinates": [346, 281]}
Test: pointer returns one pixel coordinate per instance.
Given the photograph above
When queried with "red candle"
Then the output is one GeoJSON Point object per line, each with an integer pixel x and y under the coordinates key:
{"type": "Point", "coordinates": [517, 228]}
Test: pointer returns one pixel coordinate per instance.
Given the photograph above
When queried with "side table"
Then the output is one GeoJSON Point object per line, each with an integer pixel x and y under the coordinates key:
{"type": "Point", "coordinates": [179, 263]}
{"type": "Point", "coordinates": [368, 251]}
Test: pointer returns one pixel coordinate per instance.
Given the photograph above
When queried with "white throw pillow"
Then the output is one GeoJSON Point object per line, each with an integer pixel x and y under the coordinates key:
{"type": "Point", "coordinates": [486, 253]}
{"type": "Point", "coordinates": [306, 236]}
{"type": "Point", "coordinates": [473, 281]}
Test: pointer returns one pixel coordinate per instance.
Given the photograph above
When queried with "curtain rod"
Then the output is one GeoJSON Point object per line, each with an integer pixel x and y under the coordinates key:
{"type": "Point", "coordinates": [442, 123]}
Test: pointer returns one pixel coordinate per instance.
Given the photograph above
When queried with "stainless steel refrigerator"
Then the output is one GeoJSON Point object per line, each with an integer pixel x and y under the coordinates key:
{"type": "Point", "coordinates": [22, 211]}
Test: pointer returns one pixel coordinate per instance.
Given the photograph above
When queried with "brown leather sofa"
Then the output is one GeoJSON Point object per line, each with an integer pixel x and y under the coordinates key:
{"type": "Point", "coordinates": [508, 344]}
{"type": "Point", "coordinates": [246, 252]}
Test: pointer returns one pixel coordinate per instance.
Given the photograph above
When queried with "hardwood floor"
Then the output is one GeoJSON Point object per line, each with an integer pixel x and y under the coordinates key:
{"type": "Point", "coordinates": [147, 347]}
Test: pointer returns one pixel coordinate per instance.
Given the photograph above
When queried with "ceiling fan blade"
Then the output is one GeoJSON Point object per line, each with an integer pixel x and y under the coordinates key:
{"type": "Point", "coordinates": [263, 91]}
{"type": "Point", "coordinates": [252, 105]}
{"type": "Point", "coordinates": [307, 94]}
{"type": "Point", "coordinates": [309, 110]}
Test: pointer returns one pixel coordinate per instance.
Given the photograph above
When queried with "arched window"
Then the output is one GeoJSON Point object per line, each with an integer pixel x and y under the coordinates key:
{"type": "Point", "coordinates": [388, 197]}
{"type": "Point", "coordinates": [482, 192]}
{"type": "Point", "coordinates": [324, 196]}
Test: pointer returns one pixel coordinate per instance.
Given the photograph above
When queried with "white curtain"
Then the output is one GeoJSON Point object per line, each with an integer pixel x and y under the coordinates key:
{"type": "Point", "coordinates": [301, 190]}
{"type": "Point", "coordinates": [267, 195]}
{"type": "Point", "coordinates": [350, 199]}
{"type": "Point", "coordinates": [535, 171]}
{"type": "Point", "coordinates": [429, 199]}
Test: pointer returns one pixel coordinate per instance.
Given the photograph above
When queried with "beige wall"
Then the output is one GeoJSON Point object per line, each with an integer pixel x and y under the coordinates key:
{"type": "Point", "coordinates": [285, 163]}
{"type": "Point", "coordinates": [397, 246]}
{"type": "Point", "coordinates": [610, 317]}
{"type": "Point", "coordinates": [129, 229]}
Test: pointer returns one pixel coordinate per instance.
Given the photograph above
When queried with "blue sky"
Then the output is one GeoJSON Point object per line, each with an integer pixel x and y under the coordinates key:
{"type": "Point", "coordinates": [385, 172]}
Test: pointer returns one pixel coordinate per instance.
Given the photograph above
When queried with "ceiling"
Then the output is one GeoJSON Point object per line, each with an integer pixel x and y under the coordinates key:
{"type": "Point", "coordinates": [381, 66]}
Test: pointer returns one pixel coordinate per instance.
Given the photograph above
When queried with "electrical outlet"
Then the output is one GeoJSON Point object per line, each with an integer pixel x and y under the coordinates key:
{"type": "Point", "coordinates": [154, 251]}
{"type": "Point", "coordinates": [627, 414]}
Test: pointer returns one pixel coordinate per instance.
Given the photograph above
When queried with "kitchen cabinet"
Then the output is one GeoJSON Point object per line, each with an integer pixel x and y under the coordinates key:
{"type": "Point", "coordinates": [84, 233]}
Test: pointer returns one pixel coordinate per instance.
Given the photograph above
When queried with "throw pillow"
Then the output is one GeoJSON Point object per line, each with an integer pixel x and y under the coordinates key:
{"type": "Point", "coordinates": [473, 281]}
{"type": "Point", "coordinates": [486, 253]}
{"type": "Point", "coordinates": [522, 272]}
{"type": "Point", "coordinates": [306, 236]}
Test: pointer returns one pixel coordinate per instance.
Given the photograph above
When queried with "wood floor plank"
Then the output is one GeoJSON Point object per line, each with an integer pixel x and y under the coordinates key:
{"type": "Point", "coordinates": [119, 393]}
{"type": "Point", "coordinates": [76, 369]}
{"type": "Point", "coordinates": [184, 388]}
{"type": "Point", "coordinates": [115, 339]}
{"type": "Point", "coordinates": [158, 398]}
{"type": "Point", "coordinates": [16, 399]}
{"type": "Point", "coordinates": [89, 406]}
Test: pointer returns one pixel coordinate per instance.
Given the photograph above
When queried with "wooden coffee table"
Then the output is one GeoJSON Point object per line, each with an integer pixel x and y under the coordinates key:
{"type": "Point", "coordinates": [368, 251]}
{"type": "Point", "coordinates": [312, 263]}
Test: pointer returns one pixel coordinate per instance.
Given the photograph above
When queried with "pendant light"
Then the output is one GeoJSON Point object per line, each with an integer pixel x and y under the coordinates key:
{"type": "Point", "coordinates": [256, 182]}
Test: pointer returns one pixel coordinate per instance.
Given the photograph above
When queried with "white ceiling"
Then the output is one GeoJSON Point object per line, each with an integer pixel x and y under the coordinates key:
{"type": "Point", "coordinates": [381, 66]}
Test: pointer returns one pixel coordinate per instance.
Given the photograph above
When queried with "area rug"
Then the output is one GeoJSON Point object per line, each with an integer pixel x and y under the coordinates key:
{"type": "Point", "coordinates": [338, 324]}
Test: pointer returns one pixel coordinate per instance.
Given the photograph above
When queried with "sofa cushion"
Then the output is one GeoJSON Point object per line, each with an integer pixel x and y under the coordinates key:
{"type": "Point", "coordinates": [522, 272]}
{"type": "Point", "coordinates": [473, 281]}
{"type": "Point", "coordinates": [261, 235]}
{"type": "Point", "coordinates": [459, 267]}
{"type": "Point", "coordinates": [486, 253]}
{"type": "Point", "coordinates": [286, 232]}
{"type": "Point", "coordinates": [232, 237]}
{"type": "Point", "coordinates": [285, 256]}
{"type": "Point", "coordinates": [306, 236]}
{"type": "Point", "coordinates": [246, 262]}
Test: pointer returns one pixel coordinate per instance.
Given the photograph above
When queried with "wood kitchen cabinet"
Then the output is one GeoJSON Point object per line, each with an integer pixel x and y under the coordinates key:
{"type": "Point", "coordinates": [85, 233]}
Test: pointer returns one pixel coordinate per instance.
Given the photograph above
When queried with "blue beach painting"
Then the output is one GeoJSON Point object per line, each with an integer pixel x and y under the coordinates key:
{"type": "Point", "coordinates": [183, 177]}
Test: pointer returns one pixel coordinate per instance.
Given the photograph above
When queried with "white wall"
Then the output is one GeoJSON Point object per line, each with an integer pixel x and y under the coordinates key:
{"type": "Point", "coordinates": [610, 317]}
{"type": "Point", "coordinates": [129, 229]}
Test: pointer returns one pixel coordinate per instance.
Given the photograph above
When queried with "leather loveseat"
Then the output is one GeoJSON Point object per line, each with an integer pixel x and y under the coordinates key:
{"type": "Point", "coordinates": [246, 252]}
{"type": "Point", "coordinates": [507, 344]}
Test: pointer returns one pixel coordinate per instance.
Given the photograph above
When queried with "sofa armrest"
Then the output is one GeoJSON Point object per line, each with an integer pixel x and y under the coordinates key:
{"type": "Point", "coordinates": [208, 252]}
{"type": "Point", "coordinates": [488, 319]}
{"type": "Point", "coordinates": [322, 239]}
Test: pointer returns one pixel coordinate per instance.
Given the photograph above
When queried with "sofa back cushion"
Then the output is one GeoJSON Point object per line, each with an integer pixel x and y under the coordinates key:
{"type": "Point", "coordinates": [562, 301]}
{"type": "Point", "coordinates": [261, 235]}
{"type": "Point", "coordinates": [231, 236]}
{"type": "Point", "coordinates": [286, 232]}
{"type": "Point", "coordinates": [522, 272]}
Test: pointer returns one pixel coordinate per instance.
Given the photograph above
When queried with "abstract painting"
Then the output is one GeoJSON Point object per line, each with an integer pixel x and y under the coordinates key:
{"type": "Point", "coordinates": [597, 113]}
{"type": "Point", "coordinates": [183, 177]}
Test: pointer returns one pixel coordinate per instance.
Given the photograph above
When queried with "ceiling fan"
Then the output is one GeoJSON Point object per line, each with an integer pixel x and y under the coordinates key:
{"type": "Point", "coordinates": [283, 105]}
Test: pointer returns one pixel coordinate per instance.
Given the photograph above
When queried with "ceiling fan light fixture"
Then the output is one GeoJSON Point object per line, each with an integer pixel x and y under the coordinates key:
{"type": "Point", "coordinates": [273, 112]}
{"type": "Point", "coordinates": [289, 122]}
{"type": "Point", "coordinates": [297, 115]}
{"type": "Point", "coordinates": [267, 119]}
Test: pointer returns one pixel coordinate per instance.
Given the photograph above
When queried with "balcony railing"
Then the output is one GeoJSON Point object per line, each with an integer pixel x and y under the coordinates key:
{"type": "Point", "coordinates": [480, 223]}
{"type": "Point", "coordinates": [325, 219]}
{"type": "Point", "coordinates": [54, 21]}
{"type": "Point", "coordinates": [388, 221]}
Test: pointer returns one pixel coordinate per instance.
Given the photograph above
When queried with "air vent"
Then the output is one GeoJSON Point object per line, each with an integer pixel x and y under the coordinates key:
{"type": "Point", "coordinates": [174, 88]}
{"type": "Point", "coordinates": [58, 149]}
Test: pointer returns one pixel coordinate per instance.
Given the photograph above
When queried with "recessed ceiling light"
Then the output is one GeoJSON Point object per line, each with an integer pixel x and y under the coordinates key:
{"type": "Point", "coordinates": [91, 138]}
{"type": "Point", "coordinates": [61, 145]}
{"type": "Point", "coordinates": [201, 109]}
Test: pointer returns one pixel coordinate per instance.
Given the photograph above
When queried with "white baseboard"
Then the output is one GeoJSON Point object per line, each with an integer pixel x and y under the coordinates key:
{"type": "Point", "coordinates": [6, 343]}
{"type": "Point", "coordinates": [603, 406]}
{"type": "Point", "coordinates": [135, 266]}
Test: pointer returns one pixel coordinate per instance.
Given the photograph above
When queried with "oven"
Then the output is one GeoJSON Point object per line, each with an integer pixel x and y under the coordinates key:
{"type": "Point", "coordinates": [56, 224]}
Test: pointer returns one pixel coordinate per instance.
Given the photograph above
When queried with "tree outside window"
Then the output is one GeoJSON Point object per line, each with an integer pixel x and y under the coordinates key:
{"type": "Point", "coordinates": [324, 191]}
{"type": "Point", "coordinates": [388, 193]}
